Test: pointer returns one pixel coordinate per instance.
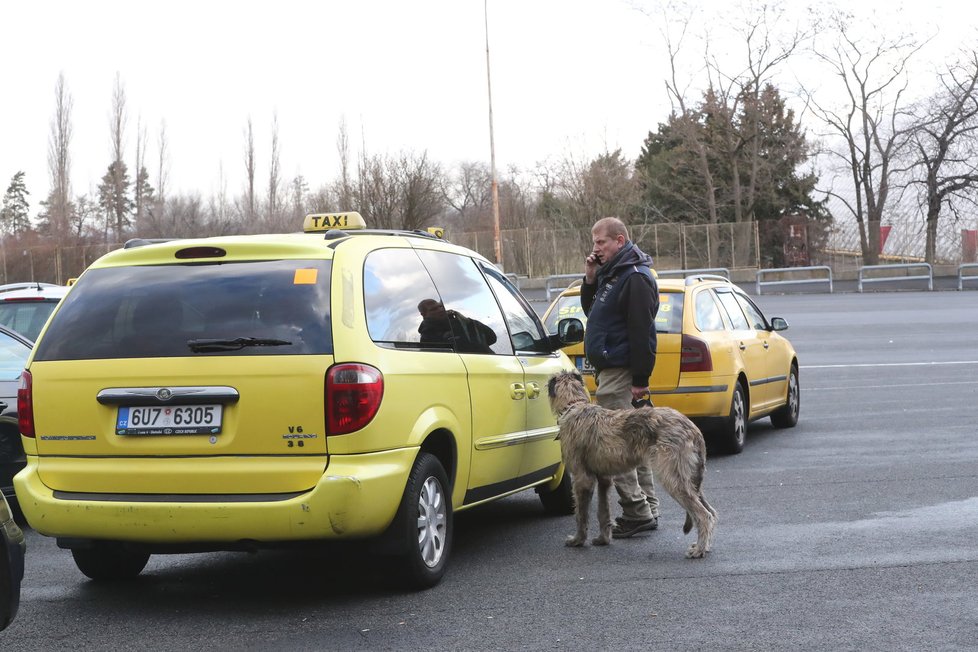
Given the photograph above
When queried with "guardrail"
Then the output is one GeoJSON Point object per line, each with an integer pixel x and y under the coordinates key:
{"type": "Point", "coordinates": [929, 276]}
{"type": "Point", "coordinates": [758, 283]}
{"type": "Point", "coordinates": [962, 278]}
{"type": "Point", "coordinates": [721, 271]}
{"type": "Point", "coordinates": [555, 284]}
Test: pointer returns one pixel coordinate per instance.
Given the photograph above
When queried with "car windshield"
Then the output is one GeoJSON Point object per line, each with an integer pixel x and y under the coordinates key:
{"type": "Point", "coordinates": [278, 307]}
{"type": "Point", "coordinates": [26, 316]}
{"type": "Point", "coordinates": [669, 319]}
{"type": "Point", "coordinates": [13, 357]}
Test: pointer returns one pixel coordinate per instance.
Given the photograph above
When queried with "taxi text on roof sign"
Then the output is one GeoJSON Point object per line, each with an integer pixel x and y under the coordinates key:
{"type": "Point", "coordinates": [326, 221]}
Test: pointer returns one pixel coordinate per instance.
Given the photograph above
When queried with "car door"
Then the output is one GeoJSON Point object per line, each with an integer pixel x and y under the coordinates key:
{"type": "Point", "coordinates": [752, 346]}
{"type": "Point", "coordinates": [495, 375]}
{"type": "Point", "coordinates": [777, 362]}
{"type": "Point", "coordinates": [541, 450]}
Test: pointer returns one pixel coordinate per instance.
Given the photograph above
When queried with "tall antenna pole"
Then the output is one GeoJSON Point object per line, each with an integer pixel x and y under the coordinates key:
{"type": "Point", "coordinates": [492, 151]}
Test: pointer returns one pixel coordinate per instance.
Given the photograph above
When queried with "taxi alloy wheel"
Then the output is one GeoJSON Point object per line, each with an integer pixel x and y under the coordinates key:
{"type": "Point", "coordinates": [735, 430]}
{"type": "Point", "coordinates": [787, 415]}
{"type": "Point", "coordinates": [424, 521]}
{"type": "Point", "coordinates": [109, 561]}
{"type": "Point", "coordinates": [432, 522]}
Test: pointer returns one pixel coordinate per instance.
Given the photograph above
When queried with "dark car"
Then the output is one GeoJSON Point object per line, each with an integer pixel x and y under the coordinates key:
{"type": "Point", "coordinates": [25, 307]}
{"type": "Point", "coordinates": [14, 350]}
{"type": "Point", "coordinates": [12, 548]}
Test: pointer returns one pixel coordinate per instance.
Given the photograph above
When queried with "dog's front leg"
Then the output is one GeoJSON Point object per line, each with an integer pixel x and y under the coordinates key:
{"type": "Point", "coordinates": [583, 491]}
{"type": "Point", "coordinates": [604, 512]}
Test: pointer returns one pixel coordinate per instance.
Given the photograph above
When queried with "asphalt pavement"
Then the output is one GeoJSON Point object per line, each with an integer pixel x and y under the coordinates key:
{"type": "Point", "coordinates": [855, 530]}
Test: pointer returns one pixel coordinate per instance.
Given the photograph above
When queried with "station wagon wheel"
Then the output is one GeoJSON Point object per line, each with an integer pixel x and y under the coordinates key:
{"type": "Point", "coordinates": [109, 561]}
{"type": "Point", "coordinates": [734, 430]}
{"type": "Point", "coordinates": [787, 415]}
{"type": "Point", "coordinates": [424, 524]}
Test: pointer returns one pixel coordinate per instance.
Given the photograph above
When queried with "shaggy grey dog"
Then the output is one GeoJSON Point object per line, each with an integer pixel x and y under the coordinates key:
{"type": "Point", "coordinates": [598, 443]}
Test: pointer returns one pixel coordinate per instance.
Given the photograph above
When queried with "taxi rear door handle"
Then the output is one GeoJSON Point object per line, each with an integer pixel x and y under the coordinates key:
{"type": "Point", "coordinates": [517, 391]}
{"type": "Point", "coordinates": [743, 347]}
{"type": "Point", "coordinates": [532, 390]}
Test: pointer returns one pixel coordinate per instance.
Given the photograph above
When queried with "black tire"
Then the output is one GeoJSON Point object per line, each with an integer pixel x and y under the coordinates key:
{"type": "Point", "coordinates": [558, 501]}
{"type": "Point", "coordinates": [787, 415]}
{"type": "Point", "coordinates": [733, 433]}
{"type": "Point", "coordinates": [423, 526]}
{"type": "Point", "coordinates": [110, 561]}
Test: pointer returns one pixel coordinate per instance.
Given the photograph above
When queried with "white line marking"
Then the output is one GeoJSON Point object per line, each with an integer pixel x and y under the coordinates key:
{"type": "Point", "coordinates": [888, 364]}
{"type": "Point", "coordinates": [848, 387]}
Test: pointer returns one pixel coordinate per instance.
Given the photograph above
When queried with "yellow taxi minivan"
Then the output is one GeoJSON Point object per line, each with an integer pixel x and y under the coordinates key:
{"type": "Point", "coordinates": [245, 391]}
{"type": "Point", "coordinates": [719, 360]}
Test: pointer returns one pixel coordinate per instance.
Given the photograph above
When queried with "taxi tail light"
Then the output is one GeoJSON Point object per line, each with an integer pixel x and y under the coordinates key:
{"type": "Point", "coordinates": [25, 404]}
{"type": "Point", "coordinates": [353, 395]}
{"type": "Point", "coordinates": [695, 355]}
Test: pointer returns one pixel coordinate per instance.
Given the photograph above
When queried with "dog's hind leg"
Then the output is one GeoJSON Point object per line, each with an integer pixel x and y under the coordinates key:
{"type": "Point", "coordinates": [583, 492]}
{"type": "Point", "coordinates": [604, 512]}
{"type": "Point", "coordinates": [698, 514]}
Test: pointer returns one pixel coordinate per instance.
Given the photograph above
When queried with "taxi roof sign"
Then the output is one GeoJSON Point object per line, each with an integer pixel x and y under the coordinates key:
{"type": "Point", "coordinates": [329, 221]}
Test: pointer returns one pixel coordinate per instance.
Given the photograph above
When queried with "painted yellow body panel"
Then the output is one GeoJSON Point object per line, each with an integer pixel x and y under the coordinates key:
{"type": "Point", "coordinates": [357, 496]}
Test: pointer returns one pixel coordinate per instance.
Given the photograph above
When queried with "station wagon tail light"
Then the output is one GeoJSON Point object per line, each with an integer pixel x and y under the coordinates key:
{"type": "Point", "coordinates": [353, 395]}
{"type": "Point", "coordinates": [25, 404]}
{"type": "Point", "coordinates": [695, 355]}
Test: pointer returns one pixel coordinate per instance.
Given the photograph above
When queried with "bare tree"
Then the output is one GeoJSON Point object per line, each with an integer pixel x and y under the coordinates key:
{"type": "Point", "coordinates": [945, 146]}
{"type": "Point", "coordinates": [59, 161]}
{"type": "Point", "coordinates": [871, 127]}
{"type": "Point", "coordinates": [274, 178]}
{"type": "Point", "coordinates": [250, 207]}
{"type": "Point", "coordinates": [163, 171]}
{"type": "Point", "coordinates": [345, 190]}
{"type": "Point", "coordinates": [114, 189]}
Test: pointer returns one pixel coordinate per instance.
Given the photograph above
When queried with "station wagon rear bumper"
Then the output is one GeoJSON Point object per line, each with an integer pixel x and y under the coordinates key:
{"type": "Point", "coordinates": [356, 497]}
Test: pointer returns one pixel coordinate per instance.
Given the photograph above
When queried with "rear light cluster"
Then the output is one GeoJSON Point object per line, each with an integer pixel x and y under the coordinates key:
{"type": "Point", "coordinates": [25, 404]}
{"type": "Point", "coordinates": [695, 355]}
{"type": "Point", "coordinates": [353, 395]}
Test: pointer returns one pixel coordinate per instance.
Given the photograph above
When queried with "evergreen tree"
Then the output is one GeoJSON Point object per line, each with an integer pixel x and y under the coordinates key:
{"type": "Point", "coordinates": [15, 213]}
{"type": "Point", "coordinates": [114, 197]}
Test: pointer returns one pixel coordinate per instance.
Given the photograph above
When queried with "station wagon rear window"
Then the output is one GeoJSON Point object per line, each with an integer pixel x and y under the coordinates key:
{"type": "Point", "coordinates": [276, 307]}
{"type": "Point", "coordinates": [669, 319]}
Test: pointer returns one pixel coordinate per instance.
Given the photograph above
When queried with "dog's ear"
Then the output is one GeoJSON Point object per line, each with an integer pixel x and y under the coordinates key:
{"type": "Point", "coordinates": [552, 386]}
{"type": "Point", "coordinates": [578, 376]}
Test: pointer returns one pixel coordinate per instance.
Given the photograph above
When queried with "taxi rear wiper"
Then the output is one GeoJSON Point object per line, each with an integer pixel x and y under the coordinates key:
{"type": "Point", "coordinates": [205, 345]}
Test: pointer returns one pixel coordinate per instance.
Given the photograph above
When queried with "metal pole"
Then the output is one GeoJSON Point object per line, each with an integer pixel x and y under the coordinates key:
{"type": "Point", "coordinates": [492, 150]}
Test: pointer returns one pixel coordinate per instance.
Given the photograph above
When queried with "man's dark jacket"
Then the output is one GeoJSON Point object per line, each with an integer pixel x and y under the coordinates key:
{"type": "Point", "coordinates": [621, 306]}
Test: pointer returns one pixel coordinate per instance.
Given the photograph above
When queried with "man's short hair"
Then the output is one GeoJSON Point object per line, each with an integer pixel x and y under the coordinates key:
{"type": "Point", "coordinates": [610, 226]}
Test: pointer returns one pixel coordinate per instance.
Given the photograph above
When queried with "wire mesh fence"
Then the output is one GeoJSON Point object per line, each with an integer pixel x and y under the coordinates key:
{"type": "Point", "coordinates": [547, 252]}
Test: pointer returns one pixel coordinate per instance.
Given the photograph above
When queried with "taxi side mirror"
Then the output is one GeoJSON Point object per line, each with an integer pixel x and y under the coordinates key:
{"type": "Point", "coordinates": [570, 330]}
{"type": "Point", "coordinates": [779, 324]}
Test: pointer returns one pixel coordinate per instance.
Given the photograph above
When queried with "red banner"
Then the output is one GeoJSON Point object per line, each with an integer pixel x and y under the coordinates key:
{"type": "Point", "coordinates": [969, 245]}
{"type": "Point", "coordinates": [884, 234]}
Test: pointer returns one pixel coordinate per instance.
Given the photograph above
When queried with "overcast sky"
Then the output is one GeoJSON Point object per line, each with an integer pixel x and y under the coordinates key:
{"type": "Point", "coordinates": [568, 76]}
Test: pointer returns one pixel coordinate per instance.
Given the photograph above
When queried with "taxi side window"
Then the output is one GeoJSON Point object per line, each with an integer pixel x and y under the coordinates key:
{"type": "Point", "coordinates": [754, 315]}
{"type": "Point", "coordinates": [707, 312]}
{"type": "Point", "coordinates": [732, 307]}
{"type": "Point", "coordinates": [397, 290]}
{"type": "Point", "coordinates": [528, 333]}
{"type": "Point", "coordinates": [476, 322]}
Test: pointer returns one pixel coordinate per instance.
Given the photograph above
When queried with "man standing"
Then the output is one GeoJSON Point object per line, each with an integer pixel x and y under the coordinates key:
{"type": "Point", "coordinates": [621, 298]}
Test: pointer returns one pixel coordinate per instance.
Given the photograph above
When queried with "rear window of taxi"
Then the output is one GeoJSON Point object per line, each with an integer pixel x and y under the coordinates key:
{"type": "Point", "coordinates": [669, 319]}
{"type": "Point", "coordinates": [275, 307]}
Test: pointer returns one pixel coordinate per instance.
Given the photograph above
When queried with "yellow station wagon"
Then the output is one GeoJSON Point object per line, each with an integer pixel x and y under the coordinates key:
{"type": "Point", "coordinates": [719, 360]}
{"type": "Point", "coordinates": [244, 391]}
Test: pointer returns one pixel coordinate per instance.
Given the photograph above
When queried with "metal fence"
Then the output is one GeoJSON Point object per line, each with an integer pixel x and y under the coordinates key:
{"type": "Point", "coordinates": [48, 263]}
{"type": "Point", "coordinates": [550, 252]}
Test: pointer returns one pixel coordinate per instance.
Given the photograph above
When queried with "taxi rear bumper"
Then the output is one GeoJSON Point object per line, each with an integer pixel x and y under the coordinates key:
{"type": "Point", "coordinates": [357, 497]}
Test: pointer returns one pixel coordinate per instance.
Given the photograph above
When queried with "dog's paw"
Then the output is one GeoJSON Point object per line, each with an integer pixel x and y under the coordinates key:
{"type": "Point", "coordinates": [574, 542]}
{"type": "Point", "coordinates": [602, 540]}
{"type": "Point", "coordinates": [695, 552]}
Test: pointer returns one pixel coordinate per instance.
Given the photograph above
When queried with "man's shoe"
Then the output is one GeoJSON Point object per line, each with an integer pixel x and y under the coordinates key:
{"type": "Point", "coordinates": [627, 527]}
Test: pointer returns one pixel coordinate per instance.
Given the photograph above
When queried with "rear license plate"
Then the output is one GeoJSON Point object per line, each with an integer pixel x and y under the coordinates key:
{"type": "Point", "coordinates": [584, 366]}
{"type": "Point", "coordinates": [169, 420]}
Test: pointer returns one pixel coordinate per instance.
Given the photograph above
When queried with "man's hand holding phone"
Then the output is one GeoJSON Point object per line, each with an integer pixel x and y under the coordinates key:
{"type": "Point", "coordinates": [591, 265]}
